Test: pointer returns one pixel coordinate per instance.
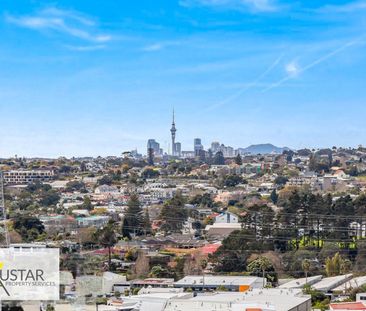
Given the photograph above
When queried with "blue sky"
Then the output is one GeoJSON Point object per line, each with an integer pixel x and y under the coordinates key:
{"type": "Point", "coordinates": [101, 77]}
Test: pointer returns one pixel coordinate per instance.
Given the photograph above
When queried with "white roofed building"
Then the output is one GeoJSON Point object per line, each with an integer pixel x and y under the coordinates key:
{"type": "Point", "coordinates": [213, 282]}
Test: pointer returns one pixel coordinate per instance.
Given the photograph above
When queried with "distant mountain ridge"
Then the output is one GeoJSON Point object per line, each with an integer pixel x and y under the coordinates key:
{"type": "Point", "coordinates": [263, 149]}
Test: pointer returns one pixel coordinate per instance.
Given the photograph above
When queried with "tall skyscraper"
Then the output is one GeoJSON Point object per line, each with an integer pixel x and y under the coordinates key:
{"type": "Point", "coordinates": [178, 149]}
{"type": "Point", "coordinates": [197, 141]}
{"type": "Point", "coordinates": [173, 130]}
{"type": "Point", "coordinates": [197, 146]}
{"type": "Point", "coordinates": [153, 144]}
{"type": "Point", "coordinates": [215, 146]}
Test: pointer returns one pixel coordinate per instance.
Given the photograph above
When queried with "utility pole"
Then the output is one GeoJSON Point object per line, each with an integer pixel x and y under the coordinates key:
{"type": "Point", "coordinates": [3, 225]}
{"type": "Point", "coordinates": [318, 233]}
{"type": "Point", "coordinates": [4, 228]}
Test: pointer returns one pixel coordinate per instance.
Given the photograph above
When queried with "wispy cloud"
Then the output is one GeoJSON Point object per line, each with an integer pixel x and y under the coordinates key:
{"type": "Point", "coordinates": [85, 48]}
{"type": "Point", "coordinates": [253, 5]}
{"type": "Point", "coordinates": [153, 47]}
{"type": "Point", "coordinates": [344, 8]}
{"type": "Point", "coordinates": [247, 87]}
{"type": "Point", "coordinates": [70, 23]}
{"type": "Point", "coordinates": [157, 46]}
{"type": "Point", "coordinates": [300, 70]}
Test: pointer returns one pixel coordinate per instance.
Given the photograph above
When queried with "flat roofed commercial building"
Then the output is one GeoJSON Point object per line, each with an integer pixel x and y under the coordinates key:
{"type": "Point", "coordinates": [300, 283]}
{"type": "Point", "coordinates": [352, 283]}
{"type": "Point", "coordinates": [328, 284]}
{"type": "Point", "coordinates": [258, 299]}
{"type": "Point", "coordinates": [231, 283]}
{"type": "Point", "coordinates": [153, 282]}
{"type": "Point", "coordinates": [187, 304]}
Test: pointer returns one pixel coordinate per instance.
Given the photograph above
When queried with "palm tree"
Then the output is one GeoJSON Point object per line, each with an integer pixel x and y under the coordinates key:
{"type": "Point", "coordinates": [306, 267]}
{"type": "Point", "coordinates": [264, 264]}
{"type": "Point", "coordinates": [106, 236]}
{"type": "Point", "coordinates": [261, 263]}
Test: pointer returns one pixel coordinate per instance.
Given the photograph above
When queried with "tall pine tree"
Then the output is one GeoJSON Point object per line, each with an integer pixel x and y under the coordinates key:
{"type": "Point", "coordinates": [133, 221]}
{"type": "Point", "coordinates": [147, 223]}
{"type": "Point", "coordinates": [174, 214]}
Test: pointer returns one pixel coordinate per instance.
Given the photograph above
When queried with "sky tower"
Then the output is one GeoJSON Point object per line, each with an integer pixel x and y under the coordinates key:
{"type": "Point", "coordinates": [173, 130]}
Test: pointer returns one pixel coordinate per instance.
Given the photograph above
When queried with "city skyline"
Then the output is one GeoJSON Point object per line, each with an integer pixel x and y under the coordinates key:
{"type": "Point", "coordinates": [81, 80]}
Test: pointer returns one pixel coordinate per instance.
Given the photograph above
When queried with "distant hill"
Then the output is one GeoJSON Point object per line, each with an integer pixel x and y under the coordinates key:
{"type": "Point", "coordinates": [263, 149]}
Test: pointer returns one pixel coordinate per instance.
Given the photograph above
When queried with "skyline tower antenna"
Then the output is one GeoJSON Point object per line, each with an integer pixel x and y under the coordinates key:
{"type": "Point", "coordinates": [173, 131]}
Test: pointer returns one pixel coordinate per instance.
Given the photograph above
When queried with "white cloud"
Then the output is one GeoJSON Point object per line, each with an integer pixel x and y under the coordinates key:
{"type": "Point", "coordinates": [69, 14]}
{"type": "Point", "coordinates": [70, 23]}
{"type": "Point", "coordinates": [255, 5]}
{"type": "Point", "coordinates": [292, 68]}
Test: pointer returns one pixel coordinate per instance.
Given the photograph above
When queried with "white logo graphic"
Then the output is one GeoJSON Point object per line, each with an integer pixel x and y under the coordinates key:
{"type": "Point", "coordinates": [29, 274]}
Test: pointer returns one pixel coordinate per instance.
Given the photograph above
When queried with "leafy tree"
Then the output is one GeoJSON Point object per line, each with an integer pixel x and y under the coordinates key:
{"type": "Point", "coordinates": [159, 272]}
{"type": "Point", "coordinates": [232, 180]}
{"type": "Point", "coordinates": [263, 267]}
{"type": "Point", "coordinates": [281, 180]}
{"type": "Point", "coordinates": [65, 169]}
{"type": "Point", "coordinates": [294, 263]}
{"type": "Point", "coordinates": [37, 186]}
{"type": "Point", "coordinates": [274, 196]}
{"type": "Point", "coordinates": [320, 164]}
{"type": "Point", "coordinates": [105, 180]}
{"type": "Point", "coordinates": [116, 176]}
{"type": "Point", "coordinates": [343, 209]}
{"type": "Point", "coordinates": [150, 173]}
{"type": "Point", "coordinates": [235, 250]}
{"type": "Point", "coordinates": [174, 214]}
{"type": "Point", "coordinates": [318, 299]}
{"type": "Point", "coordinates": [75, 185]}
{"type": "Point", "coordinates": [83, 167]}
{"type": "Point", "coordinates": [29, 227]}
{"type": "Point", "coordinates": [360, 261]}
{"type": "Point", "coordinates": [360, 204]}
{"type": "Point", "coordinates": [202, 200]}
{"type": "Point", "coordinates": [219, 158]}
{"type": "Point", "coordinates": [304, 152]}
{"type": "Point", "coordinates": [87, 203]}
{"type": "Point", "coordinates": [48, 198]}
{"type": "Point", "coordinates": [238, 160]}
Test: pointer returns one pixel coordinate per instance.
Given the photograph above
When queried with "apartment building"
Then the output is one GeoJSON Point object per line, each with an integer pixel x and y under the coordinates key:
{"type": "Point", "coordinates": [18, 177]}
